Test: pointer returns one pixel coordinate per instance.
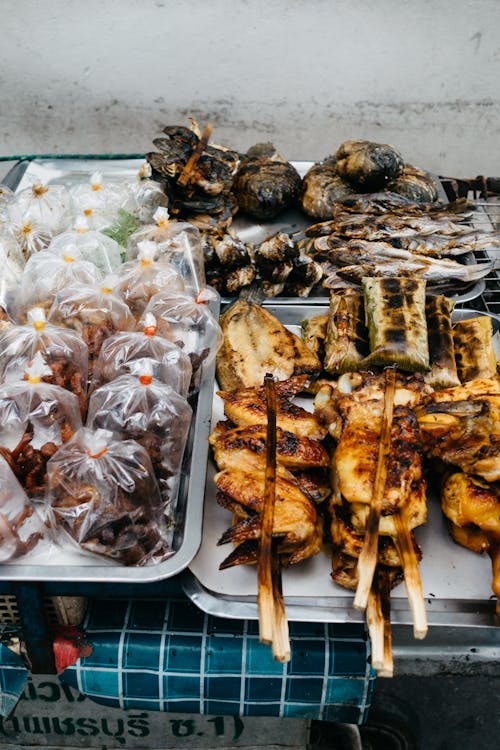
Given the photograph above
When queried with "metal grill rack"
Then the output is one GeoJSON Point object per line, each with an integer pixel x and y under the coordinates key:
{"type": "Point", "coordinates": [487, 218]}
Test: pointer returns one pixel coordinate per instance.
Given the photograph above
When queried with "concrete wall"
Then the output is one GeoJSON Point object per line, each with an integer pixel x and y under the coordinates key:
{"type": "Point", "coordinates": [104, 76]}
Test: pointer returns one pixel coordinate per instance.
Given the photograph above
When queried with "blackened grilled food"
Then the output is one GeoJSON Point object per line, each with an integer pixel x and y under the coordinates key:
{"type": "Point", "coordinates": [265, 184]}
{"type": "Point", "coordinates": [368, 166]}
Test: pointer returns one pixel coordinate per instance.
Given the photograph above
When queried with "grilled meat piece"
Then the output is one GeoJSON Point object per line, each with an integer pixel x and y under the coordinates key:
{"type": "Point", "coordinates": [247, 406]}
{"type": "Point", "coordinates": [295, 517]}
{"type": "Point", "coordinates": [256, 343]}
{"type": "Point", "coordinates": [461, 427]}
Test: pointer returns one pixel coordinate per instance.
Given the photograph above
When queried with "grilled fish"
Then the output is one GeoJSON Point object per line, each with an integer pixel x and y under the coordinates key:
{"type": "Point", "coordinates": [256, 343]}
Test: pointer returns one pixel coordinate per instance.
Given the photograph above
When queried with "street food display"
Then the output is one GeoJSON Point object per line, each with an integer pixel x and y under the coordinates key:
{"type": "Point", "coordinates": [333, 430]}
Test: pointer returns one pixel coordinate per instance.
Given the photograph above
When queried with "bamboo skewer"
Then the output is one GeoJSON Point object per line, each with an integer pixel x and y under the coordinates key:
{"type": "Point", "coordinates": [273, 625]}
{"type": "Point", "coordinates": [411, 572]}
{"type": "Point", "coordinates": [387, 668]}
{"type": "Point", "coordinates": [375, 623]}
{"type": "Point", "coordinates": [368, 557]}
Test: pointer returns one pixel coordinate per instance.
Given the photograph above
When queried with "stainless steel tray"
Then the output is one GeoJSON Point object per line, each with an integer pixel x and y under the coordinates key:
{"type": "Point", "coordinates": [456, 581]}
{"type": "Point", "coordinates": [45, 563]}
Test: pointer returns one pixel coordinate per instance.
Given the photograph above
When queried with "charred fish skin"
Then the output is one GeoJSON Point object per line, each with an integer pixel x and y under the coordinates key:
{"type": "Point", "coordinates": [321, 188]}
{"type": "Point", "coordinates": [368, 166]}
{"type": "Point", "coordinates": [414, 184]}
{"type": "Point", "coordinates": [265, 183]}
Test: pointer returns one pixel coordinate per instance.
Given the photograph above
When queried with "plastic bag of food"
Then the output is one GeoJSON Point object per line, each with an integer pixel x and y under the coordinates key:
{"type": "Point", "coordinates": [138, 407]}
{"type": "Point", "coordinates": [190, 324]}
{"type": "Point", "coordinates": [103, 498]}
{"type": "Point", "coordinates": [20, 526]}
{"type": "Point", "coordinates": [93, 246]}
{"type": "Point", "coordinates": [139, 280]}
{"type": "Point", "coordinates": [6, 195]}
{"type": "Point", "coordinates": [47, 273]}
{"type": "Point", "coordinates": [94, 312]}
{"type": "Point", "coordinates": [125, 353]}
{"type": "Point", "coordinates": [99, 199]}
{"type": "Point", "coordinates": [148, 195]}
{"type": "Point", "coordinates": [30, 235]}
{"type": "Point", "coordinates": [63, 351]}
{"type": "Point", "coordinates": [178, 243]}
{"type": "Point", "coordinates": [11, 271]}
{"type": "Point", "coordinates": [35, 419]}
{"type": "Point", "coordinates": [47, 205]}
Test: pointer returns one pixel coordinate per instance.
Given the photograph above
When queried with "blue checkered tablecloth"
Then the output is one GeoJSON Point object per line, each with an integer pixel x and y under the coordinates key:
{"type": "Point", "coordinates": [167, 655]}
{"type": "Point", "coordinates": [13, 678]}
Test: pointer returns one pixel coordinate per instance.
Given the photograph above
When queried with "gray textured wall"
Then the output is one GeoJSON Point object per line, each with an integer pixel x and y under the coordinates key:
{"type": "Point", "coordinates": [105, 76]}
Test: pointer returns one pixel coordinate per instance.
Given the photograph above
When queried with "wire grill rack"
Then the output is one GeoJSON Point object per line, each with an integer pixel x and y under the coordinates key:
{"type": "Point", "coordinates": [486, 217]}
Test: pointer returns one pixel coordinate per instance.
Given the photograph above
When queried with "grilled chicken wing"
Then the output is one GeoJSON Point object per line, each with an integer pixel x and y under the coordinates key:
{"type": "Point", "coordinates": [247, 406]}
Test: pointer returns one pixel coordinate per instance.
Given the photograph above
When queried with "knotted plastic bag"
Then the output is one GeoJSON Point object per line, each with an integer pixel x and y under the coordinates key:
{"type": "Point", "coordinates": [94, 312]}
{"type": "Point", "coordinates": [139, 280]}
{"type": "Point", "coordinates": [46, 273]}
{"type": "Point", "coordinates": [148, 195]}
{"type": "Point", "coordinates": [63, 350]}
{"type": "Point", "coordinates": [138, 407]}
{"type": "Point", "coordinates": [11, 271]}
{"type": "Point", "coordinates": [46, 205]}
{"type": "Point", "coordinates": [20, 526]}
{"type": "Point", "coordinates": [125, 353]}
{"type": "Point", "coordinates": [190, 324]}
{"type": "Point", "coordinates": [35, 419]}
{"type": "Point", "coordinates": [178, 242]}
{"type": "Point", "coordinates": [103, 498]}
{"type": "Point", "coordinates": [99, 199]}
{"type": "Point", "coordinates": [93, 246]}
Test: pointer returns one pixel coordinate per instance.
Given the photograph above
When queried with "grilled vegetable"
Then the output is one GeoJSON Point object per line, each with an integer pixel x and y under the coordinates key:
{"type": "Point", "coordinates": [255, 343]}
{"type": "Point", "coordinates": [443, 373]}
{"type": "Point", "coordinates": [346, 343]}
{"type": "Point", "coordinates": [395, 314]}
{"type": "Point", "coordinates": [474, 352]}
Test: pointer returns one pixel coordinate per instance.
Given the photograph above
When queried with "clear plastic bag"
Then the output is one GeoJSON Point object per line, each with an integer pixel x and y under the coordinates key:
{"type": "Point", "coordinates": [148, 195]}
{"type": "Point", "coordinates": [11, 271]}
{"type": "Point", "coordinates": [20, 526]}
{"type": "Point", "coordinates": [30, 236]}
{"type": "Point", "coordinates": [94, 312]}
{"type": "Point", "coordinates": [35, 419]}
{"type": "Point", "coordinates": [6, 196]}
{"type": "Point", "coordinates": [125, 353]}
{"type": "Point", "coordinates": [178, 243]}
{"type": "Point", "coordinates": [47, 205]}
{"type": "Point", "coordinates": [99, 199]}
{"type": "Point", "coordinates": [92, 246]}
{"type": "Point", "coordinates": [103, 498]}
{"type": "Point", "coordinates": [138, 280]}
{"type": "Point", "coordinates": [63, 351]}
{"type": "Point", "coordinates": [47, 273]}
{"type": "Point", "coordinates": [190, 324]}
{"type": "Point", "coordinates": [144, 409]}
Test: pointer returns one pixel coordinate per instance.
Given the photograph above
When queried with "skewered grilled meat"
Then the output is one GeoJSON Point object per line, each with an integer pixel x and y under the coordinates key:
{"type": "Point", "coordinates": [472, 508]}
{"type": "Point", "coordinates": [295, 517]}
{"type": "Point", "coordinates": [367, 165]}
{"type": "Point", "coordinates": [322, 187]}
{"type": "Point", "coordinates": [247, 406]}
{"type": "Point", "coordinates": [461, 427]}
{"type": "Point", "coordinates": [265, 183]}
{"type": "Point", "coordinates": [255, 343]}
{"type": "Point", "coordinates": [415, 184]}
